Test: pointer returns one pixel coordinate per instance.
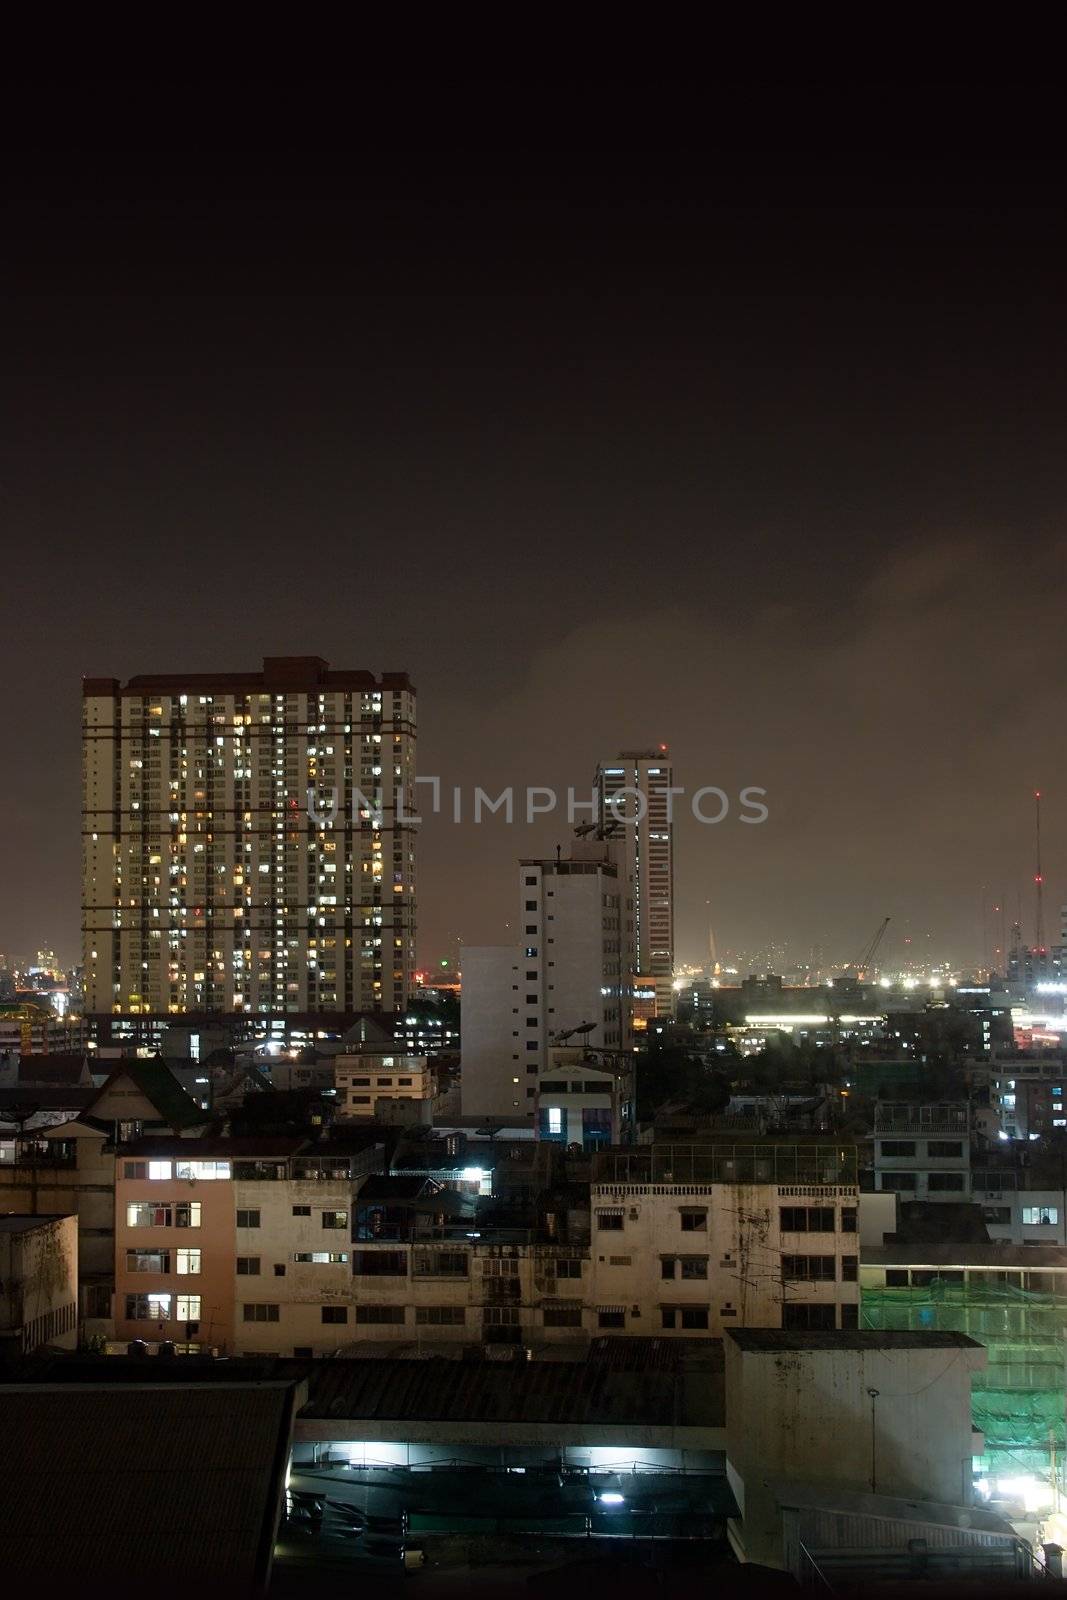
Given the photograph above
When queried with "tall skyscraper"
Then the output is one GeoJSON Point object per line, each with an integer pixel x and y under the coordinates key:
{"type": "Point", "coordinates": [633, 791]}
{"type": "Point", "coordinates": [208, 885]}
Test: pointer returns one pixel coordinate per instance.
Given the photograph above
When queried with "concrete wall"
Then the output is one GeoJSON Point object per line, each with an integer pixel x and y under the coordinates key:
{"type": "Point", "coordinates": [807, 1415]}
{"type": "Point", "coordinates": [39, 1285]}
{"type": "Point", "coordinates": [490, 1056]}
{"type": "Point", "coordinates": [301, 1289]}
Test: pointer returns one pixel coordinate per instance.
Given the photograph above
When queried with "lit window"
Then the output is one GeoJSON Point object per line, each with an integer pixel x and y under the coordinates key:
{"type": "Point", "coordinates": [555, 1119]}
{"type": "Point", "coordinates": [188, 1308]}
{"type": "Point", "coordinates": [188, 1263]}
{"type": "Point", "coordinates": [1040, 1216]}
{"type": "Point", "coordinates": [160, 1169]}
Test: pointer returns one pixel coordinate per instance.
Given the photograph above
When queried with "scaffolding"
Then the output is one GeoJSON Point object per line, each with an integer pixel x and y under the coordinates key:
{"type": "Point", "coordinates": [1017, 1403]}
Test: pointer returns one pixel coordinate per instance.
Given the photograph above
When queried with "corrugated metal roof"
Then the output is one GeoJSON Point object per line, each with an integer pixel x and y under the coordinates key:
{"type": "Point", "coordinates": [143, 1484]}
{"type": "Point", "coordinates": [574, 1392]}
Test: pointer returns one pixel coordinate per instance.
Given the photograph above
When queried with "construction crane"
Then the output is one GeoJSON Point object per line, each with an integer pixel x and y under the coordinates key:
{"type": "Point", "coordinates": [861, 966]}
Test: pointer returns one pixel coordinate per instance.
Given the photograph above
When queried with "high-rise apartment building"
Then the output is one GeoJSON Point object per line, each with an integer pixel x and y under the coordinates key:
{"type": "Point", "coordinates": [570, 972]}
{"type": "Point", "coordinates": [633, 794]}
{"type": "Point", "coordinates": [211, 883]}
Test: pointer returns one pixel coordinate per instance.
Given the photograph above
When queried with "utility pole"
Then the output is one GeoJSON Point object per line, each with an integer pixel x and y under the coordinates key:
{"type": "Point", "coordinates": [873, 1394]}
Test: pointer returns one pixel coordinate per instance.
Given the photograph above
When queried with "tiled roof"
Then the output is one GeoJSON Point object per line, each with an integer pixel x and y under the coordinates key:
{"type": "Point", "coordinates": [158, 1084]}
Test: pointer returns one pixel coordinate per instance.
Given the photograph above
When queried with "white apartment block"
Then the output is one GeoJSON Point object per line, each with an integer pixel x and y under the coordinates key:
{"type": "Point", "coordinates": [705, 1257]}
{"type": "Point", "coordinates": [634, 790]}
{"type": "Point", "coordinates": [362, 1080]}
{"type": "Point", "coordinates": [663, 1258]}
{"type": "Point", "coordinates": [292, 1273]}
{"type": "Point", "coordinates": [585, 1097]}
{"type": "Point", "coordinates": [923, 1152]}
{"type": "Point", "coordinates": [570, 972]}
{"type": "Point", "coordinates": [207, 885]}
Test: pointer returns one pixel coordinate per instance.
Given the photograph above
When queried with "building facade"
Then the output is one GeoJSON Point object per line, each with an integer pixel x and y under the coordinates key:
{"type": "Point", "coordinates": [245, 847]}
{"type": "Point", "coordinates": [569, 975]}
{"type": "Point", "coordinates": [634, 791]}
{"type": "Point", "coordinates": [38, 1283]}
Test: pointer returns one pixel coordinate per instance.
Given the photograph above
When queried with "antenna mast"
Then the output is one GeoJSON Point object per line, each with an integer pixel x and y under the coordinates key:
{"type": "Point", "coordinates": [1039, 882]}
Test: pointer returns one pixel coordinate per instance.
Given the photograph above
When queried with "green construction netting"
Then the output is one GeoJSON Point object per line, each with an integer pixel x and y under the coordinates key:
{"type": "Point", "coordinates": [1018, 1401]}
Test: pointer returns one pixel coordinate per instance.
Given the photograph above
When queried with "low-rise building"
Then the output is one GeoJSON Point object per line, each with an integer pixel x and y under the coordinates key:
{"type": "Point", "coordinates": [886, 1412]}
{"type": "Point", "coordinates": [921, 1151]}
{"type": "Point", "coordinates": [585, 1097]}
{"type": "Point", "coordinates": [705, 1238]}
{"type": "Point", "coordinates": [38, 1284]}
{"type": "Point", "coordinates": [1010, 1298]}
{"type": "Point", "coordinates": [365, 1078]}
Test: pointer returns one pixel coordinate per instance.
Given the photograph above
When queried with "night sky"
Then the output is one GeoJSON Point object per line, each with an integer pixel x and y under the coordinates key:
{"type": "Point", "coordinates": [614, 417]}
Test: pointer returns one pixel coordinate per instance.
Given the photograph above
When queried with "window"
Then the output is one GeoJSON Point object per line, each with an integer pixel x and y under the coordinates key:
{"type": "Point", "coordinates": [203, 1171]}
{"type": "Point", "coordinates": [248, 1219]}
{"type": "Point", "coordinates": [427, 1263]}
{"type": "Point", "coordinates": [613, 1317]}
{"type": "Point", "coordinates": [895, 1181]}
{"type": "Point", "coordinates": [188, 1262]}
{"type": "Point", "coordinates": [187, 1214]}
{"type": "Point", "coordinates": [568, 1269]}
{"type": "Point", "coordinates": [849, 1269]}
{"type": "Point", "coordinates": [143, 1214]}
{"type": "Point", "coordinates": [691, 1317]}
{"type": "Point", "coordinates": [259, 1312]}
{"type": "Point", "coordinates": [335, 1313]}
{"type": "Point", "coordinates": [379, 1264]}
{"type": "Point", "coordinates": [1040, 1216]}
{"type": "Point", "coordinates": [148, 1307]}
{"type": "Point", "coordinates": [380, 1314]}
{"type": "Point", "coordinates": [668, 1266]}
{"type": "Point", "coordinates": [148, 1261]}
{"type": "Point", "coordinates": [135, 1169]}
{"type": "Point", "coordinates": [998, 1214]}
{"type": "Point", "coordinates": [500, 1316]}
{"type": "Point", "coordinates": [562, 1316]}
{"type": "Point", "coordinates": [248, 1266]}
{"type": "Point", "coordinates": [302, 1352]}
{"type": "Point", "coordinates": [850, 1317]}
{"type": "Point", "coordinates": [694, 1221]}
{"type": "Point", "coordinates": [441, 1316]}
{"type": "Point", "coordinates": [941, 1181]}
{"type": "Point", "coordinates": [896, 1277]}
{"type": "Point", "coordinates": [848, 1219]}
{"type": "Point", "coordinates": [810, 1269]}
{"type": "Point", "coordinates": [301, 1211]}
{"type": "Point", "coordinates": [807, 1219]}
{"type": "Point", "coordinates": [609, 1221]}
{"type": "Point", "coordinates": [323, 1258]}
{"type": "Point", "coordinates": [279, 1269]}
{"type": "Point", "coordinates": [188, 1308]}
{"type": "Point", "coordinates": [946, 1149]}
{"type": "Point", "coordinates": [896, 1147]}
{"type": "Point", "coordinates": [335, 1219]}
{"type": "Point", "coordinates": [813, 1318]}
{"type": "Point", "coordinates": [694, 1266]}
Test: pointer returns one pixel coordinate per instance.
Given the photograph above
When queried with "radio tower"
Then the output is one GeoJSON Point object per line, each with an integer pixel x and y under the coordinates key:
{"type": "Point", "coordinates": [1039, 882]}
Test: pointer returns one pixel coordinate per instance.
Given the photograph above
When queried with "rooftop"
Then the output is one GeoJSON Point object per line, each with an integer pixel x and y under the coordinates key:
{"type": "Point", "coordinates": [26, 1224]}
{"type": "Point", "coordinates": [767, 1340]}
{"type": "Point", "coordinates": [279, 673]}
{"type": "Point", "coordinates": [998, 1253]}
{"type": "Point", "coordinates": [197, 1149]}
{"type": "Point", "coordinates": [145, 1482]}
